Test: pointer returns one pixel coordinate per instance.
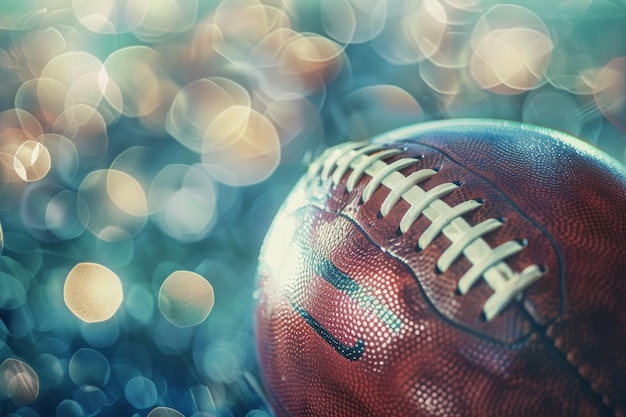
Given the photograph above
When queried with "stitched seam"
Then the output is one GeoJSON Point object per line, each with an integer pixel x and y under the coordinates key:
{"type": "Point", "coordinates": [523, 339]}
{"type": "Point", "coordinates": [577, 366]}
{"type": "Point", "coordinates": [498, 276]}
{"type": "Point", "coordinates": [543, 230]}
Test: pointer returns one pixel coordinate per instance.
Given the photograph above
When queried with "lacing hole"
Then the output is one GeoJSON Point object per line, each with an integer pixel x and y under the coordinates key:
{"type": "Point", "coordinates": [457, 292]}
{"type": "Point", "coordinates": [398, 232]}
{"type": "Point", "coordinates": [417, 248]}
{"type": "Point", "coordinates": [502, 219]}
{"type": "Point", "coordinates": [523, 242]}
{"type": "Point", "coordinates": [483, 317]}
{"type": "Point", "coordinates": [438, 271]}
{"type": "Point", "coordinates": [437, 169]}
{"type": "Point", "coordinates": [543, 269]}
{"type": "Point", "coordinates": [479, 200]}
{"type": "Point", "coordinates": [458, 183]}
{"type": "Point", "coordinates": [379, 215]}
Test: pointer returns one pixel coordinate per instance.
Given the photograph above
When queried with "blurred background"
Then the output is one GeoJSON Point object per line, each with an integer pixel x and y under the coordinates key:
{"type": "Point", "coordinates": [145, 146]}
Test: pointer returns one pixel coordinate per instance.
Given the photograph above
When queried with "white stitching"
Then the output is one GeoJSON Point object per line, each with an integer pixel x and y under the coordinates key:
{"type": "Point", "coordinates": [341, 170]}
{"type": "Point", "coordinates": [396, 193]}
{"type": "Point", "coordinates": [456, 248]}
{"type": "Point", "coordinates": [491, 258]}
{"type": "Point", "coordinates": [440, 222]}
{"type": "Point", "coordinates": [359, 168]}
{"type": "Point", "coordinates": [424, 201]}
{"type": "Point", "coordinates": [487, 262]}
{"type": "Point", "coordinates": [509, 289]}
{"type": "Point", "coordinates": [382, 174]}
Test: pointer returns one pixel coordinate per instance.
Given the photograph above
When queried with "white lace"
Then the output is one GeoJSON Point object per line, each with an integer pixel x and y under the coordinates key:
{"type": "Point", "coordinates": [487, 262]}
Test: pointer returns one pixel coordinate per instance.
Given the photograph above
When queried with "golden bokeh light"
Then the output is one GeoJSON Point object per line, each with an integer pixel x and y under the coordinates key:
{"type": "Point", "coordinates": [511, 50]}
{"type": "Point", "coordinates": [32, 161]}
{"type": "Point", "coordinates": [92, 292]}
{"type": "Point", "coordinates": [198, 104]}
{"type": "Point", "coordinates": [86, 128]}
{"type": "Point", "coordinates": [126, 192]}
{"type": "Point", "coordinates": [297, 123]}
{"type": "Point", "coordinates": [44, 98]}
{"type": "Point", "coordinates": [164, 17]}
{"type": "Point", "coordinates": [137, 71]}
{"type": "Point", "coordinates": [608, 91]}
{"type": "Point", "coordinates": [243, 24]}
{"type": "Point", "coordinates": [99, 91]}
{"type": "Point", "coordinates": [511, 61]}
{"type": "Point", "coordinates": [39, 46]}
{"type": "Point", "coordinates": [110, 17]}
{"type": "Point", "coordinates": [353, 21]}
{"type": "Point", "coordinates": [245, 155]}
{"type": "Point", "coordinates": [182, 202]}
{"type": "Point", "coordinates": [18, 382]}
{"type": "Point", "coordinates": [427, 27]}
{"type": "Point", "coordinates": [308, 63]}
{"type": "Point", "coordinates": [186, 298]}
{"type": "Point", "coordinates": [113, 214]}
{"type": "Point", "coordinates": [16, 126]}
{"type": "Point", "coordinates": [67, 67]}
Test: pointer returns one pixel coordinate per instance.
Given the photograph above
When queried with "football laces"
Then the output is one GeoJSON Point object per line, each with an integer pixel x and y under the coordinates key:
{"type": "Point", "coordinates": [487, 263]}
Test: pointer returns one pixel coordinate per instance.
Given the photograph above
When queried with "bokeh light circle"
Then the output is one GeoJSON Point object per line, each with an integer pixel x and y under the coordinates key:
{"type": "Point", "coordinates": [165, 412]}
{"type": "Point", "coordinates": [18, 382]}
{"type": "Point", "coordinates": [140, 392]}
{"type": "Point", "coordinates": [89, 368]}
{"type": "Point", "coordinates": [241, 147]}
{"type": "Point", "coordinates": [50, 369]}
{"type": "Point", "coordinates": [182, 202]}
{"type": "Point", "coordinates": [608, 91]}
{"type": "Point", "coordinates": [137, 72]}
{"type": "Point", "coordinates": [64, 159]}
{"type": "Point", "coordinates": [92, 292]}
{"type": "Point", "coordinates": [116, 203]}
{"type": "Point", "coordinates": [511, 50]}
{"type": "Point", "coordinates": [197, 104]}
{"type": "Point", "coordinates": [165, 17]}
{"type": "Point", "coordinates": [111, 17]}
{"type": "Point", "coordinates": [69, 408]}
{"type": "Point", "coordinates": [186, 298]}
{"type": "Point", "coordinates": [351, 21]}
{"type": "Point", "coordinates": [86, 128]}
{"type": "Point", "coordinates": [66, 215]}
{"type": "Point", "coordinates": [32, 161]}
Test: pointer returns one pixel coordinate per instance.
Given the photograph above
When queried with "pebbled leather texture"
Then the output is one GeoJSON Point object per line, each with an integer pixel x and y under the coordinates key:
{"type": "Point", "coordinates": [354, 320]}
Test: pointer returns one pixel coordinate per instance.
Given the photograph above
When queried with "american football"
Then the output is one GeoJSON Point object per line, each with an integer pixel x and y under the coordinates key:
{"type": "Point", "coordinates": [467, 268]}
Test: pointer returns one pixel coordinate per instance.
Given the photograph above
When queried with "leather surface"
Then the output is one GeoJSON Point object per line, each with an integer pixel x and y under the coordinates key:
{"type": "Point", "coordinates": [353, 320]}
